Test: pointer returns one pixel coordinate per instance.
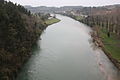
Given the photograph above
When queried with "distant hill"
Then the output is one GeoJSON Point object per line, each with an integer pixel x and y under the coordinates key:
{"type": "Point", "coordinates": [85, 10]}
{"type": "Point", "coordinates": [112, 6]}
{"type": "Point", "coordinates": [44, 9]}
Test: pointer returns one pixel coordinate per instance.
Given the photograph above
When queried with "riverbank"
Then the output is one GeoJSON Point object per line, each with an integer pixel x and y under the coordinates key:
{"type": "Point", "coordinates": [23, 31]}
{"type": "Point", "coordinates": [107, 44]}
{"type": "Point", "coordinates": [61, 48]}
{"type": "Point", "coordinates": [52, 21]}
{"type": "Point", "coordinates": [110, 45]}
{"type": "Point", "coordinates": [47, 22]}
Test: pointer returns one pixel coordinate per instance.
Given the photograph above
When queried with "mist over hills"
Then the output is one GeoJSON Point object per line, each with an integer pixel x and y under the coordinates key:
{"type": "Point", "coordinates": [45, 9]}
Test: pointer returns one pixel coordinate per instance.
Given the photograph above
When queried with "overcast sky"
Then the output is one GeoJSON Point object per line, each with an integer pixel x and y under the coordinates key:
{"type": "Point", "coordinates": [66, 2]}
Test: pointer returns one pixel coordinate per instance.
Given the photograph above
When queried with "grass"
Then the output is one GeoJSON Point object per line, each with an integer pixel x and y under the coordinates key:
{"type": "Point", "coordinates": [52, 21]}
{"type": "Point", "coordinates": [111, 44]}
{"type": "Point", "coordinates": [78, 18]}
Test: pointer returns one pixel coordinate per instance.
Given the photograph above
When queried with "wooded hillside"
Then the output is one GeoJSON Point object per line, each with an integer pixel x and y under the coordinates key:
{"type": "Point", "coordinates": [19, 31]}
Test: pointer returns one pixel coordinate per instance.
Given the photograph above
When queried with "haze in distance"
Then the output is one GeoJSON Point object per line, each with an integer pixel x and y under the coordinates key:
{"type": "Point", "coordinates": [59, 3]}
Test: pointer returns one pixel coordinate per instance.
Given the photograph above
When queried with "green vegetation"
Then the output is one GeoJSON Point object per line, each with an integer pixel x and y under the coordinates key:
{"type": "Point", "coordinates": [19, 31]}
{"type": "Point", "coordinates": [51, 21]}
{"type": "Point", "coordinates": [46, 17]}
{"type": "Point", "coordinates": [111, 44]}
{"type": "Point", "coordinates": [78, 18]}
{"type": "Point", "coordinates": [108, 22]}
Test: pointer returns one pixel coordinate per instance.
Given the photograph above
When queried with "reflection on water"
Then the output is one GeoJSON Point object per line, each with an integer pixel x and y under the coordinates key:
{"type": "Point", "coordinates": [66, 52]}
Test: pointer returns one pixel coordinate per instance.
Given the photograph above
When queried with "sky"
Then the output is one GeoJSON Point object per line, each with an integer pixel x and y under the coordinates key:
{"type": "Point", "coordinates": [58, 3]}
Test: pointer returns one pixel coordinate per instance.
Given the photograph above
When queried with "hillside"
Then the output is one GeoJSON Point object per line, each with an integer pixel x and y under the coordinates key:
{"type": "Point", "coordinates": [19, 31]}
{"type": "Point", "coordinates": [82, 9]}
{"type": "Point", "coordinates": [44, 9]}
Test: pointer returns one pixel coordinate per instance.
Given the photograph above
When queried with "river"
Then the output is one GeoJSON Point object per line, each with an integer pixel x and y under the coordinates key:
{"type": "Point", "coordinates": [65, 52]}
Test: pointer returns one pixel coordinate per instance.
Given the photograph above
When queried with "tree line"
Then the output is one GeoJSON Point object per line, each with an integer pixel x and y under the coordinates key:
{"type": "Point", "coordinates": [19, 31]}
{"type": "Point", "coordinates": [108, 19]}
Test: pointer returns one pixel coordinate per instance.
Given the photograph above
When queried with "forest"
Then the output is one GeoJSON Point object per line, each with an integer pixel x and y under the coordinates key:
{"type": "Point", "coordinates": [108, 19]}
{"type": "Point", "coordinates": [19, 31]}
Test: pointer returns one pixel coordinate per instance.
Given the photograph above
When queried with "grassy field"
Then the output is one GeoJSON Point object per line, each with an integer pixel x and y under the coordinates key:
{"type": "Point", "coordinates": [112, 44]}
{"type": "Point", "coordinates": [78, 17]}
{"type": "Point", "coordinates": [52, 21]}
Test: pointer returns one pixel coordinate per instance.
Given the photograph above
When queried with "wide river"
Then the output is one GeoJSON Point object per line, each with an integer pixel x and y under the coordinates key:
{"type": "Point", "coordinates": [66, 52]}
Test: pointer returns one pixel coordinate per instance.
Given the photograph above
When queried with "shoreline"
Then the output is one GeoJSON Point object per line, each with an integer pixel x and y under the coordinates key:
{"type": "Point", "coordinates": [52, 21]}
{"type": "Point", "coordinates": [99, 43]}
{"type": "Point", "coordinates": [30, 53]}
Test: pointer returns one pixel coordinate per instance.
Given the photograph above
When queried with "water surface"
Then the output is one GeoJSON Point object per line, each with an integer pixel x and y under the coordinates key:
{"type": "Point", "coordinates": [66, 53]}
